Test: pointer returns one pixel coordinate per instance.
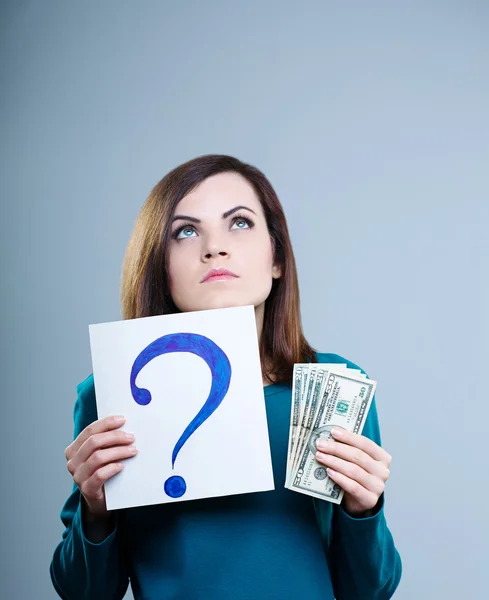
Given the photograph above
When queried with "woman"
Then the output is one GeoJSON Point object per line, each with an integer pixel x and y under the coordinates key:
{"type": "Point", "coordinates": [209, 213]}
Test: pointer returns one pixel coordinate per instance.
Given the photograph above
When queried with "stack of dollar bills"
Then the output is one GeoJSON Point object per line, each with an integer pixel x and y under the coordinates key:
{"type": "Point", "coordinates": [324, 397]}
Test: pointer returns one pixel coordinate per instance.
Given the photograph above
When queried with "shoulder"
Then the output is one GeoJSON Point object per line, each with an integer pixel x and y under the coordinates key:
{"type": "Point", "coordinates": [85, 409]}
{"type": "Point", "coordinates": [86, 387]}
{"type": "Point", "coordinates": [324, 357]}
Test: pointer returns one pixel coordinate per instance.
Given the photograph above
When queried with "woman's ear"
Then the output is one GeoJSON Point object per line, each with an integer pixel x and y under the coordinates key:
{"type": "Point", "coordinates": [276, 271]}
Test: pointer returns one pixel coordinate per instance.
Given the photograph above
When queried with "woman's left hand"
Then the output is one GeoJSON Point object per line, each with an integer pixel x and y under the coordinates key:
{"type": "Point", "coordinates": [358, 465]}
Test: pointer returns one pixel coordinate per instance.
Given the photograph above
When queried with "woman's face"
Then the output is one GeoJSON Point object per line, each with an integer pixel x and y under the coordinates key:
{"type": "Point", "coordinates": [220, 225]}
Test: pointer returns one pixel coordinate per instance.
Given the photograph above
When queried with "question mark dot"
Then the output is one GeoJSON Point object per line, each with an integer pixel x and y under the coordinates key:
{"type": "Point", "coordinates": [175, 486]}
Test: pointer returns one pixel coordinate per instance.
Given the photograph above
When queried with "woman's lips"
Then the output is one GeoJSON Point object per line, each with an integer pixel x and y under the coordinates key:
{"type": "Point", "coordinates": [218, 275]}
{"type": "Point", "coordinates": [219, 278]}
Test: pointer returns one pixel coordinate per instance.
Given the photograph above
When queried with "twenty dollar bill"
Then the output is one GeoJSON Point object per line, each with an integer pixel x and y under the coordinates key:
{"type": "Point", "coordinates": [341, 399]}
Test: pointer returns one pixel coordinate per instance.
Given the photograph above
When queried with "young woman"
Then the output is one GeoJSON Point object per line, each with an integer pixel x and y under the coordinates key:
{"type": "Point", "coordinates": [213, 213]}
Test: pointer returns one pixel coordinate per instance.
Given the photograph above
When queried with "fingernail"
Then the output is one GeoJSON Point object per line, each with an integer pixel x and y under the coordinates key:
{"type": "Point", "coordinates": [119, 420]}
{"type": "Point", "coordinates": [337, 433]}
{"type": "Point", "coordinates": [129, 436]}
{"type": "Point", "coordinates": [322, 445]}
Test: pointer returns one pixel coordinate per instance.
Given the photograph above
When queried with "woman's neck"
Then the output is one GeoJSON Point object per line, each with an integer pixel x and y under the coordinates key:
{"type": "Point", "coordinates": [259, 314]}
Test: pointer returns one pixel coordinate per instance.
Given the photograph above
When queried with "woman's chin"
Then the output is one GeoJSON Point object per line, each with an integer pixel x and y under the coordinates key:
{"type": "Point", "coordinates": [216, 303]}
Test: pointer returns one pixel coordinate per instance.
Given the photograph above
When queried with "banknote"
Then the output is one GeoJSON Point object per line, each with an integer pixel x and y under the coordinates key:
{"type": "Point", "coordinates": [304, 407]}
{"type": "Point", "coordinates": [298, 378]}
{"type": "Point", "coordinates": [310, 403]}
{"type": "Point", "coordinates": [335, 396]}
{"type": "Point", "coordinates": [301, 377]}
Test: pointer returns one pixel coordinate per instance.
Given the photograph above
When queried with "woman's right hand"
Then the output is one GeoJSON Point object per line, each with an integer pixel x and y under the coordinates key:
{"type": "Point", "coordinates": [93, 459]}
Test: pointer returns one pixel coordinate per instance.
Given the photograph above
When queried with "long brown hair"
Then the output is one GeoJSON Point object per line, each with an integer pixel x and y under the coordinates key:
{"type": "Point", "coordinates": [145, 289]}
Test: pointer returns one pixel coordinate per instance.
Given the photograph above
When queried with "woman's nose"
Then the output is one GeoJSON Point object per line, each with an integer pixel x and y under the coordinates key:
{"type": "Point", "coordinates": [211, 252]}
{"type": "Point", "coordinates": [214, 247]}
{"type": "Point", "coordinates": [215, 243]}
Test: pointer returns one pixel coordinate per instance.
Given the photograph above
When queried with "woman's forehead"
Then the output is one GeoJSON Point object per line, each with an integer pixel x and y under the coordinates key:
{"type": "Point", "coordinates": [219, 193]}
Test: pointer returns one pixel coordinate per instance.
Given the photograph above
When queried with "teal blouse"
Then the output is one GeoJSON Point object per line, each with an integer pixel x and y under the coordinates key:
{"type": "Point", "coordinates": [277, 544]}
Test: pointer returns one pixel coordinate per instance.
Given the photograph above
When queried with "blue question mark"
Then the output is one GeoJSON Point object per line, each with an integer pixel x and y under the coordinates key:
{"type": "Point", "coordinates": [220, 367]}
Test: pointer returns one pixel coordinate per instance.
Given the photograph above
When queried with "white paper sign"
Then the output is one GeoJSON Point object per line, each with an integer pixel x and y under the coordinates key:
{"type": "Point", "coordinates": [190, 387]}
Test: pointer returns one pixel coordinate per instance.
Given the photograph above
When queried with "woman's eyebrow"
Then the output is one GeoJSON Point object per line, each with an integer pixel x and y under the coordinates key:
{"type": "Point", "coordinates": [224, 215]}
{"type": "Point", "coordinates": [232, 210]}
{"type": "Point", "coordinates": [185, 218]}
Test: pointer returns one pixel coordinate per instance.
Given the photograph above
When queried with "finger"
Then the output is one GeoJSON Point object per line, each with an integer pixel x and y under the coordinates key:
{"type": "Point", "coordinates": [96, 442]}
{"type": "Point", "coordinates": [99, 426]}
{"type": "Point", "coordinates": [355, 489]}
{"type": "Point", "coordinates": [362, 443]}
{"type": "Point", "coordinates": [92, 486]}
{"type": "Point", "coordinates": [101, 458]}
{"type": "Point", "coordinates": [371, 483]}
{"type": "Point", "coordinates": [354, 455]}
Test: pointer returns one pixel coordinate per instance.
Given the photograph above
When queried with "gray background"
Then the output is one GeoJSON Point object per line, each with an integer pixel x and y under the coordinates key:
{"type": "Point", "coordinates": [369, 118]}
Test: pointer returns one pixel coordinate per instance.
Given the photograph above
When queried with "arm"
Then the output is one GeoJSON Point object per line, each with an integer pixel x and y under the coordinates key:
{"type": "Point", "coordinates": [88, 564]}
{"type": "Point", "coordinates": [363, 560]}
{"type": "Point", "coordinates": [362, 557]}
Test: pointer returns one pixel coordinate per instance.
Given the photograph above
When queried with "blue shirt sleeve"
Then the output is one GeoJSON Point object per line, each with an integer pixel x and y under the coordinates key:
{"type": "Point", "coordinates": [363, 559]}
{"type": "Point", "coordinates": [80, 569]}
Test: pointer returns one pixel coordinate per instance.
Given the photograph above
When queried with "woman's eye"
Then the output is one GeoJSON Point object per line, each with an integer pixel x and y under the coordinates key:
{"type": "Point", "coordinates": [241, 223]}
{"type": "Point", "coordinates": [185, 232]}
